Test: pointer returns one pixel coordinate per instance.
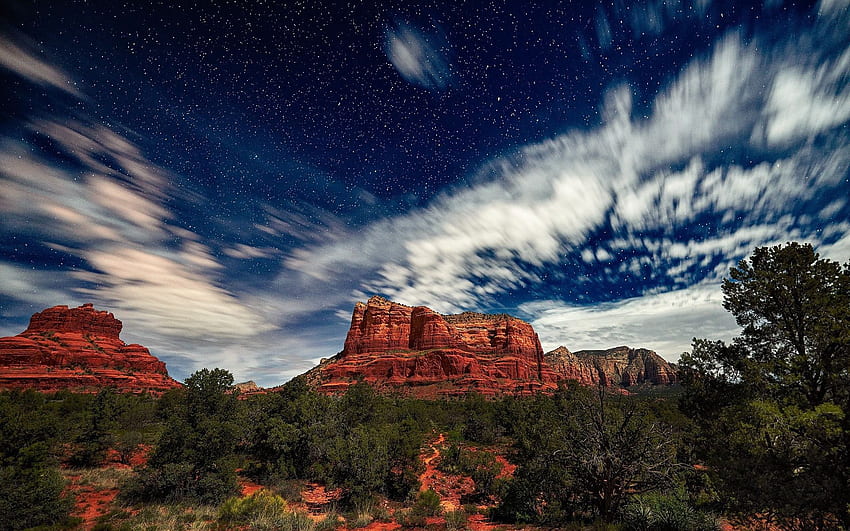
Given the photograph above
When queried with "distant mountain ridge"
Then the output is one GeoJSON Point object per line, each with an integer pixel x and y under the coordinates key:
{"type": "Point", "coordinates": [78, 349]}
{"type": "Point", "coordinates": [613, 367]}
{"type": "Point", "coordinates": [417, 351]}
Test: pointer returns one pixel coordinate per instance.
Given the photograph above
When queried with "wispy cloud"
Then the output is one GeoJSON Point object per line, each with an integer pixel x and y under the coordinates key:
{"type": "Point", "coordinates": [104, 205]}
{"type": "Point", "coordinates": [18, 57]}
{"type": "Point", "coordinates": [646, 178]}
{"type": "Point", "coordinates": [115, 220]}
{"type": "Point", "coordinates": [419, 57]}
{"type": "Point", "coordinates": [664, 322]}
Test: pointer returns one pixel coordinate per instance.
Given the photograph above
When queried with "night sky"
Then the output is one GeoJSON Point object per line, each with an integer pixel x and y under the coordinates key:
{"type": "Point", "coordinates": [229, 178]}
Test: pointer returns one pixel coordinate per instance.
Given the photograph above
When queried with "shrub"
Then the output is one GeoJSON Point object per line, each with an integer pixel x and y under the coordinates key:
{"type": "Point", "coordinates": [31, 497]}
{"type": "Point", "coordinates": [261, 504]}
{"type": "Point", "coordinates": [331, 522]}
{"type": "Point", "coordinates": [263, 510]}
{"type": "Point", "coordinates": [427, 503]}
{"type": "Point", "coordinates": [456, 519]}
{"type": "Point", "coordinates": [409, 519]}
{"type": "Point", "coordinates": [660, 512]}
{"type": "Point", "coordinates": [289, 490]}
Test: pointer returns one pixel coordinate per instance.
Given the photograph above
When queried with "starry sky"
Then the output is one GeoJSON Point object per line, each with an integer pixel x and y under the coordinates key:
{"type": "Point", "coordinates": [229, 178]}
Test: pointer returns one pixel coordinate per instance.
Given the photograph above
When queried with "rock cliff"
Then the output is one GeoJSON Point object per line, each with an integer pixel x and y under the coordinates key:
{"type": "Point", "coordinates": [78, 349]}
{"type": "Point", "coordinates": [615, 367]}
{"type": "Point", "coordinates": [422, 353]}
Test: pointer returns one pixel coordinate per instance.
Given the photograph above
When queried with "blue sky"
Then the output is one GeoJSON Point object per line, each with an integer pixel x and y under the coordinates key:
{"type": "Point", "coordinates": [229, 180]}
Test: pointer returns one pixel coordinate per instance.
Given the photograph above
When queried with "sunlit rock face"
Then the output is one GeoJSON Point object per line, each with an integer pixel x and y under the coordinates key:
{"type": "Point", "coordinates": [78, 349]}
{"type": "Point", "coordinates": [615, 367]}
{"type": "Point", "coordinates": [419, 352]}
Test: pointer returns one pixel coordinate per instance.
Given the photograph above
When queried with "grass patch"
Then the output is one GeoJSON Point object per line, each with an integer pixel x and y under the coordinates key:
{"type": "Point", "coordinates": [100, 478]}
{"type": "Point", "coordinates": [160, 517]}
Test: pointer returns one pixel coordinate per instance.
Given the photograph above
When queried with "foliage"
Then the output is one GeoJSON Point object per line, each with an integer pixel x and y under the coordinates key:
{"type": "Point", "coordinates": [665, 512]}
{"type": "Point", "coordinates": [363, 442]}
{"type": "Point", "coordinates": [155, 517]}
{"type": "Point", "coordinates": [427, 503]}
{"type": "Point", "coordinates": [582, 455]}
{"type": "Point", "coordinates": [127, 444]}
{"type": "Point", "coordinates": [456, 519]}
{"type": "Point", "coordinates": [481, 465]}
{"type": "Point", "coordinates": [30, 484]}
{"type": "Point", "coordinates": [262, 504]}
{"type": "Point", "coordinates": [96, 437]}
{"type": "Point", "coordinates": [776, 400]}
{"type": "Point", "coordinates": [195, 455]}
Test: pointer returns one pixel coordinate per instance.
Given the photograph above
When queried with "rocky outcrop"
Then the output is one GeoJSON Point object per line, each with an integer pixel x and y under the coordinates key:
{"type": "Point", "coordinates": [419, 352]}
{"type": "Point", "coordinates": [78, 349]}
{"type": "Point", "coordinates": [615, 367]}
{"type": "Point", "coordinates": [247, 387]}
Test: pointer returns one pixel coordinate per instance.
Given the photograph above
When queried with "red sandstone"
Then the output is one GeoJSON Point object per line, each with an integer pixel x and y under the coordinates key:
{"type": "Point", "coordinates": [78, 349]}
{"type": "Point", "coordinates": [423, 353]}
{"type": "Point", "coordinates": [615, 367]}
{"type": "Point", "coordinates": [419, 352]}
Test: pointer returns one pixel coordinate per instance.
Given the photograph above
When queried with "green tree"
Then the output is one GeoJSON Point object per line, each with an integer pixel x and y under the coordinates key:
{"type": "Point", "coordinates": [30, 484]}
{"type": "Point", "coordinates": [794, 308]}
{"type": "Point", "coordinates": [584, 454]}
{"type": "Point", "coordinates": [93, 442]}
{"type": "Point", "coordinates": [195, 455]}
{"type": "Point", "coordinates": [772, 406]}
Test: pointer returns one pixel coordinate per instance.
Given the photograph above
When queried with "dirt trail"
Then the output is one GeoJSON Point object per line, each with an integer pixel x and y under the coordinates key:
{"type": "Point", "coordinates": [435, 447]}
{"type": "Point", "coordinates": [248, 487]}
{"type": "Point", "coordinates": [434, 479]}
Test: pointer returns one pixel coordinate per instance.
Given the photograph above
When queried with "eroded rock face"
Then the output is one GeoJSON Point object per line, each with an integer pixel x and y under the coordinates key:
{"type": "Point", "coordinates": [78, 349]}
{"type": "Point", "coordinates": [422, 353]}
{"type": "Point", "coordinates": [619, 366]}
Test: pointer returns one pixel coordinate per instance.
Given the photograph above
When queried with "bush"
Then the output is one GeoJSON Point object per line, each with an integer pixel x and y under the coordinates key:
{"type": "Point", "coordinates": [456, 519]}
{"type": "Point", "coordinates": [427, 503]}
{"type": "Point", "coordinates": [331, 522]}
{"type": "Point", "coordinates": [659, 512]}
{"type": "Point", "coordinates": [31, 497]}
{"type": "Point", "coordinates": [260, 504]}
{"type": "Point", "coordinates": [408, 519]}
{"type": "Point", "coordinates": [262, 510]}
{"type": "Point", "coordinates": [481, 466]}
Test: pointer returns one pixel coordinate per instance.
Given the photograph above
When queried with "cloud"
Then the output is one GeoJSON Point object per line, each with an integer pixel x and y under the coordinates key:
{"type": "Point", "coordinates": [806, 100]}
{"type": "Point", "coordinates": [129, 255]}
{"type": "Point", "coordinates": [419, 58]}
{"type": "Point", "coordinates": [16, 57]}
{"type": "Point", "coordinates": [649, 179]}
{"type": "Point", "coordinates": [603, 30]}
{"type": "Point", "coordinates": [664, 322]}
{"type": "Point", "coordinates": [169, 295]}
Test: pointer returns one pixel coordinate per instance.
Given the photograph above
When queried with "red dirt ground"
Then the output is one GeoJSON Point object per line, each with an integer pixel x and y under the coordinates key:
{"type": "Point", "coordinates": [89, 503]}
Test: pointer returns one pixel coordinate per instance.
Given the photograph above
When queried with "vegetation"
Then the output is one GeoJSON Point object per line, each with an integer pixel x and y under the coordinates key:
{"type": "Point", "coordinates": [760, 430]}
{"type": "Point", "coordinates": [30, 484]}
{"type": "Point", "coordinates": [771, 408]}
{"type": "Point", "coordinates": [583, 454]}
{"type": "Point", "coordinates": [480, 465]}
{"type": "Point", "coordinates": [195, 455]}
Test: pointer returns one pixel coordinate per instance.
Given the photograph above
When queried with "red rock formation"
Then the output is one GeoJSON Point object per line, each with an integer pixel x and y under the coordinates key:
{"type": "Point", "coordinates": [620, 366]}
{"type": "Point", "coordinates": [78, 349]}
{"type": "Point", "coordinates": [423, 353]}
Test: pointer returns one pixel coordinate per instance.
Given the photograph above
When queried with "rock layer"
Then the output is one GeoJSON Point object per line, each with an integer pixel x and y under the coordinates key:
{"type": "Point", "coordinates": [615, 367]}
{"type": "Point", "coordinates": [422, 353]}
{"type": "Point", "coordinates": [78, 349]}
